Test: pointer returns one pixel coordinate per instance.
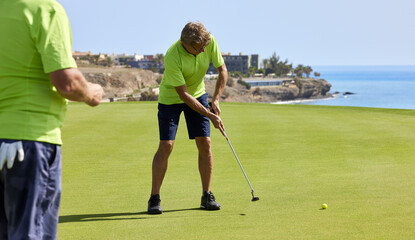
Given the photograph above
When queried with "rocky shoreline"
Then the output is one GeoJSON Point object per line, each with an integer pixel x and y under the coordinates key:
{"type": "Point", "coordinates": [137, 84]}
{"type": "Point", "coordinates": [300, 89]}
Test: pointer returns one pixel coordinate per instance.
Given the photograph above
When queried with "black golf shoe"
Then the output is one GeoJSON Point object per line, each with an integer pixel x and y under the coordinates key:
{"type": "Point", "coordinates": [209, 202]}
{"type": "Point", "coordinates": [154, 205]}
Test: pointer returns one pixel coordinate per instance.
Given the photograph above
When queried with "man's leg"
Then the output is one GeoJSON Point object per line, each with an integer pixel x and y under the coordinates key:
{"type": "Point", "coordinates": [32, 192]}
{"type": "Point", "coordinates": [52, 197]}
{"type": "Point", "coordinates": [198, 127]}
{"type": "Point", "coordinates": [168, 118]}
{"type": "Point", "coordinates": [160, 164]}
{"type": "Point", "coordinates": [205, 161]}
{"type": "Point", "coordinates": [159, 171]}
{"type": "Point", "coordinates": [3, 219]}
{"type": "Point", "coordinates": [208, 201]}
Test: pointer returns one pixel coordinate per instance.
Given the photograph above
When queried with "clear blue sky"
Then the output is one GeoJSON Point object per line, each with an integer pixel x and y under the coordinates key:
{"type": "Point", "coordinates": [310, 32]}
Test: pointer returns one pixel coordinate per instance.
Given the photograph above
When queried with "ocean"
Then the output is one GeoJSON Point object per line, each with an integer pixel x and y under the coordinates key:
{"type": "Point", "coordinates": [373, 86]}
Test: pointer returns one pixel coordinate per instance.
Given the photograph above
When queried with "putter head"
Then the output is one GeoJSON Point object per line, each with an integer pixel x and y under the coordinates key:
{"type": "Point", "coordinates": [255, 199]}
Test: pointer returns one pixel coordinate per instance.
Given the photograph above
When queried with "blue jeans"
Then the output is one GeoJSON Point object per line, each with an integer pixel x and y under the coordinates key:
{"type": "Point", "coordinates": [30, 193]}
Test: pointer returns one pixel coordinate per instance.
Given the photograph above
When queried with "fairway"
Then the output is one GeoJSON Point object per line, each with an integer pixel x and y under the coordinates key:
{"type": "Point", "coordinates": [360, 161]}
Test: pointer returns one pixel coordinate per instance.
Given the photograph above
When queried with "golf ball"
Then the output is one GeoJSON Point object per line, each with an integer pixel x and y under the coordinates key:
{"type": "Point", "coordinates": [324, 206]}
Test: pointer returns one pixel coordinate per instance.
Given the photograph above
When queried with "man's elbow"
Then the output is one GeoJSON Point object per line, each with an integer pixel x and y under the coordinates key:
{"type": "Point", "coordinates": [70, 84]}
{"type": "Point", "coordinates": [222, 69]}
{"type": "Point", "coordinates": [66, 81]}
{"type": "Point", "coordinates": [183, 97]}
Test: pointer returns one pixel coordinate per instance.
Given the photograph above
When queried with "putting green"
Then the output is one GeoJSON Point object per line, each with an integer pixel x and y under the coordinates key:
{"type": "Point", "coordinates": [360, 161]}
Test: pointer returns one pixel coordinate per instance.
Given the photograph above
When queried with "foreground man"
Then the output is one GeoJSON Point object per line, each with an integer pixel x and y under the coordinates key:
{"type": "Point", "coordinates": [37, 73]}
{"type": "Point", "coordinates": [182, 90]}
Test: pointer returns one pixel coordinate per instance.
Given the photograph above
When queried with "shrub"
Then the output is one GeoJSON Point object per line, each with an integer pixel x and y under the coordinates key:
{"type": "Point", "coordinates": [225, 94]}
{"type": "Point", "coordinates": [158, 79]}
{"type": "Point", "coordinates": [243, 83]}
{"type": "Point", "coordinates": [148, 95]}
{"type": "Point", "coordinates": [230, 82]}
{"type": "Point", "coordinates": [257, 91]}
{"type": "Point", "coordinates": [298, 83]}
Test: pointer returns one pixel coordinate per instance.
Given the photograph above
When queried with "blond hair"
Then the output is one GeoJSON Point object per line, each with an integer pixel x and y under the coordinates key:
{"type": "Point", "coordinates": [195, 33]}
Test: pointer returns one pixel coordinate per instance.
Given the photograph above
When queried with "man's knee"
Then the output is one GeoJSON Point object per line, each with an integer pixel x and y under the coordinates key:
{"type": "Point", "coordinates": [203, 144]}
{"type": "Point", "coordinates": [165, 147]}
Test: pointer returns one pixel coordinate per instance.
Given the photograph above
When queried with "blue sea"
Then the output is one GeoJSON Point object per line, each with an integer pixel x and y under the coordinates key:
{"type": "Point", "coordinates": [373, 86]}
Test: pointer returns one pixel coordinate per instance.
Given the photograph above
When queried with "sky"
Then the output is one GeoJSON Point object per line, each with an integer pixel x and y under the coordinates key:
{"type": "Point", "coordinates": [308, 32]}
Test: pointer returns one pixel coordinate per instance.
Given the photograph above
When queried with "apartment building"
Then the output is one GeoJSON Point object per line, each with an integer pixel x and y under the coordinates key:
{"type": "Point", "coordinates": [238, 63]}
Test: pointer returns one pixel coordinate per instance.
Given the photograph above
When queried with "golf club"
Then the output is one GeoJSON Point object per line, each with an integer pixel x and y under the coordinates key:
{"type": "Point", "coordinates": [240, 165]}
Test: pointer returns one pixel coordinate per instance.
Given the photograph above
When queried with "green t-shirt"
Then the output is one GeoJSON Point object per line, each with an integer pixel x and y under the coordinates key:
{"type": "Point", "coordinates": [181, 67]}
{"type": "Point", "coordinates": [35, 40]}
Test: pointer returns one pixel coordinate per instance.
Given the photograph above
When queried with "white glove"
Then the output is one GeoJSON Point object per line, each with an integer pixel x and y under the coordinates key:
{"type": "Point", "coordinates": [8, 152]}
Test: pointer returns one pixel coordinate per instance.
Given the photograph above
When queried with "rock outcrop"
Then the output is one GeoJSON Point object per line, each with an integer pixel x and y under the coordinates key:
{"type": "Point", "coordinates": [120, 82]}
{"type": "Point", "coordinates": [312, 87]}
{"type": "Point", "coordinates": [123, 82]}
{"type": "Point", "coordinates": [301, 89]}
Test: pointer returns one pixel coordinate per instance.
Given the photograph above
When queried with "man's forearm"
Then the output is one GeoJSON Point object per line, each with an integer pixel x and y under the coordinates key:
{"type": "Point", "coordinates": [220, 83]}
{"type": "Point", "coordinates": [194, 104]}
{"type": "Point", "coordinates": [76, 89]}
{"type": "Point", "coordinates": [71, 84]}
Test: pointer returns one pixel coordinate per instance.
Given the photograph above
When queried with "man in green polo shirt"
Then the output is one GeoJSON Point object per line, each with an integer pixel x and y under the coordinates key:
{"type": "Point", "coordinates": [182, 89]}
{"type": "Point", "coordinates": [37, 75]}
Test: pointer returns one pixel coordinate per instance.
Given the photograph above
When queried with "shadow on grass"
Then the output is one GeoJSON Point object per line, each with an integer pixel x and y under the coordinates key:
{"type": "Point", "coordinates": [181, 210]}
{"type": "Point", "coordinates": [114, 216]}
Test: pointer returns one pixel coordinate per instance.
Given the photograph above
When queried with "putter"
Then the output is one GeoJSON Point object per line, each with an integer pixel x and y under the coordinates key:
{"type": "Point", "coordinates": [240, 165]}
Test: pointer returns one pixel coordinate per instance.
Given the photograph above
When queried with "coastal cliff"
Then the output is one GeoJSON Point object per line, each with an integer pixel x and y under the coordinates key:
{"type": "Point", "coordinates": [139, 84]}
{"type": "Point", "coordinates": [121, 82]}
{"type": "Point", "coordinates": [299, 89]}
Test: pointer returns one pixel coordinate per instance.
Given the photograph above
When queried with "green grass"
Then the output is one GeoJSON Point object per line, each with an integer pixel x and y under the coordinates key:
{"type": "Point", "coordinates": [360, 161]}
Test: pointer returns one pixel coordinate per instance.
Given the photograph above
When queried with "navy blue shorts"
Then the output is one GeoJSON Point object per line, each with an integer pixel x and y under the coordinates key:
{"type": "Point", "coordinates": [198, 125]}
{"type": "Point", "coordinates": [30, 193]}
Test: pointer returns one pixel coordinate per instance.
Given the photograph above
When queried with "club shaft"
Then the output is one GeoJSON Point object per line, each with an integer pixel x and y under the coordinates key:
{"type": "Point", "coordinates": [240, 165]}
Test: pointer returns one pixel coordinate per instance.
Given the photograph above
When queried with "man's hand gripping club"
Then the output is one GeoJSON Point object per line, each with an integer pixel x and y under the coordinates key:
{"type": "Point", "coordinates": [216, 110]}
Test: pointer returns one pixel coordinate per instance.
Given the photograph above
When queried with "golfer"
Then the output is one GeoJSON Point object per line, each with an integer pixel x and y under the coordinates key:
{"type": "Point", "coordinates": [182, 90]}
{"type": "Point", "coordinates": [37, 73]}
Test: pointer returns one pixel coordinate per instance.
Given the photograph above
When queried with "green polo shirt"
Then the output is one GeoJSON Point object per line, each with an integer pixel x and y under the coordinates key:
{"type": "Point", "coordinates": [183, 68]}
{"type": "Point", "coordinates": [35, 40]}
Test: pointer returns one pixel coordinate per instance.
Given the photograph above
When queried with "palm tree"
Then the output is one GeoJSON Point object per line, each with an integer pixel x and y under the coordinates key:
{"type": "Point", "coordinates": [283, 68]}
{"type": "Point", "coordinates": [307, 70]}
{"type": "Point", "coordinates": [159, 58]}
{"type": "Point", "coordinates": [251, 71]}
{"type": "Point", "coordinates": [274, 60]}
{"type": "Point", "coordinates": [299, 70]}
